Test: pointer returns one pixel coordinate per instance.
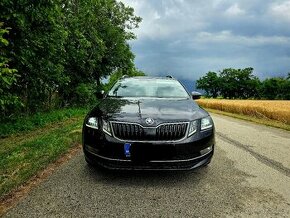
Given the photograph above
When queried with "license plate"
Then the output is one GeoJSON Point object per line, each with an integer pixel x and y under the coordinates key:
{"type": "Point", "coordinates": [127, 149]}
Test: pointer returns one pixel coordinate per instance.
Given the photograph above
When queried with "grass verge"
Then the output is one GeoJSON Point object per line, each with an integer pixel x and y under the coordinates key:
{"type": "Point", "coordinates": [272, 123]}
{"type": "Point", "coordinates": [22, 156]}
{"type": "Point", "coordinates": [25, 124]}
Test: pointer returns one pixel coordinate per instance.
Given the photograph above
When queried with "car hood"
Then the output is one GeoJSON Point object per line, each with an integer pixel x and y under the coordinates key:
{"type": "Point", "coordinates": [137, 110]}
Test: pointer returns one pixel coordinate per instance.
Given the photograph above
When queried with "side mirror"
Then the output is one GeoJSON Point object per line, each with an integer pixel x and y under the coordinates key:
{"type": "Point", "coordinates": [195, 95]}
{"type": "Point", "coordinates": [100, 95]}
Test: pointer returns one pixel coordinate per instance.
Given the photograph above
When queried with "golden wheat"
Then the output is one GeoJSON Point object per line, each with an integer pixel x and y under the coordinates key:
{"type": "Point", "coordinates": [267, 109]}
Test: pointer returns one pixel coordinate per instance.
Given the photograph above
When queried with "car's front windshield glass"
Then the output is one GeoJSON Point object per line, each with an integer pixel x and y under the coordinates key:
{"type": "Point", "coordinates": [158, 88]}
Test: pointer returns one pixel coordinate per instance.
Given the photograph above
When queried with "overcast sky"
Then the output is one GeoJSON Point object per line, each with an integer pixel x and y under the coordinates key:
{"type": "Point", "coordinates": [188, 38]}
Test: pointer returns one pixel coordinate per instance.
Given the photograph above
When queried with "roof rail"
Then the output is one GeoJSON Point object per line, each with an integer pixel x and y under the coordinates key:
{"type": "Point", "coordinates": [168, 76]}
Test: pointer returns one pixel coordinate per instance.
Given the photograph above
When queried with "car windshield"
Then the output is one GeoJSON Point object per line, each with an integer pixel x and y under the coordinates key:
{"type": "Point", "coordinates": [158, 88]}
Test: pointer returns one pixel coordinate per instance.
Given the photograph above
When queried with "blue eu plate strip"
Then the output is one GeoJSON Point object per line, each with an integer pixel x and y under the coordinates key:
{"type": "Point", "coordinates": [127, 149]}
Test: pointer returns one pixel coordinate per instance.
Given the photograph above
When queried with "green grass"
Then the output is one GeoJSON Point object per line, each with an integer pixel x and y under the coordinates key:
{"type": "Point", "coordinates": [23, 155]}
{"type": "Point", "coordinates": [267, 122]}
{"type": "Point", "coordinates": [24, 124]}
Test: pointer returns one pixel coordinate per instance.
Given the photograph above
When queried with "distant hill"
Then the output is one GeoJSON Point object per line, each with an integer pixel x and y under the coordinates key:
{"type": "Point", "coordinates": [190, 85]}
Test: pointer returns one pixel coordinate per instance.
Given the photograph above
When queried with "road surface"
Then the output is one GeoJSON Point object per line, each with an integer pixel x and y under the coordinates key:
{"type": "Point", "coordinates": [249, 176]}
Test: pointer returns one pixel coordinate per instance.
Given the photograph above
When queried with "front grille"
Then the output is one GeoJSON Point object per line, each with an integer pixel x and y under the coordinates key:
{"type": "Point", "coordinates": [170, 132]}
{"type": "Point", "coordinates": [127, 131]}
{"type": "Point", "coordinates": [136, 132]}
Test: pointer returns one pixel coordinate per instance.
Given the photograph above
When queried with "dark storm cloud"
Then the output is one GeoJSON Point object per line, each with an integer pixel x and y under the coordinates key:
{"type": "Point", "coordinates": [188, 38]}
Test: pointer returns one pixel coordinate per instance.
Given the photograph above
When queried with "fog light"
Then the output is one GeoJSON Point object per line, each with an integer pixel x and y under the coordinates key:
{"type": "Point", "coordinates": [206, 150]}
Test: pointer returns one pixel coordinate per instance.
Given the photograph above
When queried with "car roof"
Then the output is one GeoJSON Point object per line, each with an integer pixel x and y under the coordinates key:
{"type": "Point", "coordinates": [148, 78]}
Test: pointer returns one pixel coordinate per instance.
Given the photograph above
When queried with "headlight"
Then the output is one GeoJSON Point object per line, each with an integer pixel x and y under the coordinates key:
{"type": "Point", "coordinates": [206, 123]}
{"type": "Point", "coordinates": [192, 128]}
{"type": "Point", "coordinates": [107, 127]}
{"type": "Point", "coordinates": [93, 123]}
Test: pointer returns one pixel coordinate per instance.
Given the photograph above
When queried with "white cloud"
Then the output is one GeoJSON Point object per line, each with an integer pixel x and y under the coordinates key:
{"type": "Point", "coordinates": [281, 10]}
{"type": "Point", "coordinates": [163, 18]}
{"type": "Point", "coordinates": [234, 10]}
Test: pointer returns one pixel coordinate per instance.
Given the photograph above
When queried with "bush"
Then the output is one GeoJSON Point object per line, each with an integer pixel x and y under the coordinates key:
{"type": "Point", "coordinates": [86, 94]}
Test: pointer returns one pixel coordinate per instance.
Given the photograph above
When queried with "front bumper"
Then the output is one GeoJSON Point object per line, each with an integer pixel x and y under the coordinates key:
{"type": "Point", "coordinates": [108, 152]}
{"type": "Point", "coordinates": [121, 164]}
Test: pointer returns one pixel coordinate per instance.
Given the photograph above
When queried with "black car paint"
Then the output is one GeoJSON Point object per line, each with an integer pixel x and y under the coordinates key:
{"type": "Point", "coordinates": [136, 110]}
{"type": "Point", "coordinates": [107, 151]}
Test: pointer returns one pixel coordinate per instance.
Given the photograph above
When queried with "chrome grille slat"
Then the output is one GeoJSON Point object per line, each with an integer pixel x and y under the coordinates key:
{"type": "Point", "coordinates": [136, 132]}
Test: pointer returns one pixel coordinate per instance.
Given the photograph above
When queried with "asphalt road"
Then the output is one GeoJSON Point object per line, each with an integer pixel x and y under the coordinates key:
{"type": "Point", "coordinates": [249, 176]}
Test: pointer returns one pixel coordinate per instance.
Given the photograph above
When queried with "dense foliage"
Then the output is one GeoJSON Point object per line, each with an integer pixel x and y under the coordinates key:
{"type": "Point", "coordinates": [7, 76]}
{"type": "Point", "coordinates": [242, 84]}
{"type": "Point", "coordinates": [61, 50]}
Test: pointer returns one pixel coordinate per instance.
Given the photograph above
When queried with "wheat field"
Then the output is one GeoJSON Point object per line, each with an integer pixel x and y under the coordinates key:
{"type": "Point", "coordinates": [267, 109]}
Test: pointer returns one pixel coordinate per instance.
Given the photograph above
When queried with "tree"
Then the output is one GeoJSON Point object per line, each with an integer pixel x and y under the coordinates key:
{"type": "Point", "coordinates": [247, 83]}
{"type": "Point", "coordinates": [275, 88]}
{"type": "Point", "coordinates": [65, 46]}
{"type": "Point", "coordinates": [8, 77]}
{"type": "Point", "coordinates": [285, 89]}
{"type": "Point", "coordinates": [98, 32]}
{"type": "Point", "coordinates": [238, 83]}
{"type": "Point", "coordinates": [117, 19]}
{"type": "Point", "coordinates": [210, 83]}
{"type": "Point", "coordinates": [231, 83]}
{"type": "Point", "coordinates": [36, 48]}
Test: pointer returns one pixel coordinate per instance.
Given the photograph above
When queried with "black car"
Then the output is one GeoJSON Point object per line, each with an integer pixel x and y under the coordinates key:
{"type": "Point", "coordinates": [148, 123]}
